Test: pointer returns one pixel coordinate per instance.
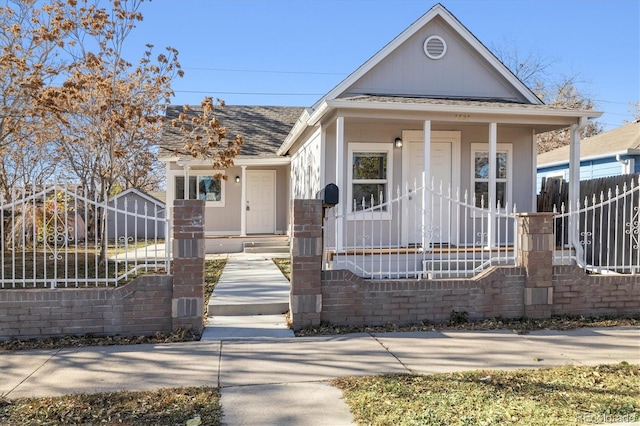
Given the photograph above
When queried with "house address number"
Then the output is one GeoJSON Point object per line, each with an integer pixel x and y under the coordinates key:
{"type": "Point", "coordinates": [462, 117]}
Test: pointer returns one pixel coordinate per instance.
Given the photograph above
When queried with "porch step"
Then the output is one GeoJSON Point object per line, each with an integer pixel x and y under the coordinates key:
{"type": "Point", "coordinates": [240, 309]}
{"type": "Point", "coordinates": [271, 245]}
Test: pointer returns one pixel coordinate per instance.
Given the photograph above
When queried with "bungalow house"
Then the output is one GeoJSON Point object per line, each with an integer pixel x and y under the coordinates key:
{"type": "Point", "coordinates": [252, 202]}
{"type": "Point", "coordinates": [611, 153]}
{"type": "Point", "coordinates": [422, 140]}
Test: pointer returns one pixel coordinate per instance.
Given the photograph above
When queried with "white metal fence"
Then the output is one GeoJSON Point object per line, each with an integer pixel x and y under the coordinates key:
{"type": "Point", "coordinates": [422, 232]}
{"type": "Point", "coordinates": [606, 231]}
{"type": "Point", "coordinates": [53, 237]}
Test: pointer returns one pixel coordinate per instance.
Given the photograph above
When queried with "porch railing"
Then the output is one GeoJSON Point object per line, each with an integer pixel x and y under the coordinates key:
{"type": "Point", "coordinates": [606, 231]}
{"type": "Point", "coordinates": [57, 237]}
{"type": "Point", "coordinates": [423, 232]}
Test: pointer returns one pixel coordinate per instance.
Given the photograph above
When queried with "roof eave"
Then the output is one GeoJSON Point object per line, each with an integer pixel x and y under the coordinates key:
{"type": "Point", "coordinates": [238, 161]}
{"type": "Point", "coordinates": [294, 134]}
{"type": "Point", "coordinates": [630, 151]}
{"type": "Point", "coordinates": [475, 109]}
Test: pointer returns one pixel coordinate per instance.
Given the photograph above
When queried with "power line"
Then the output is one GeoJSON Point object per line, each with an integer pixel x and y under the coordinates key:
{"type": "Point", "coordinates": [264, 71]}
{"type": "Point", "coordinates": [612, 102]}
{"type": "Point", "coordinates": [248, 93]}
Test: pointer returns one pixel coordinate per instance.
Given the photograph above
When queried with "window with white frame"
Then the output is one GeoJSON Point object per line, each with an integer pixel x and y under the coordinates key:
{"type": "Point", "coordinates": [480, 174]}
{"type": "Point", "coordinates": [209, 188]}
{"type": "Point", "coordinates": [369, 175]}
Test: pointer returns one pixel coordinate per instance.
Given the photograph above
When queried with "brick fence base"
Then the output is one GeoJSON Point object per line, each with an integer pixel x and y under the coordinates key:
{"type": "Point", "coordinates": [498, 292]}
{"type": "Point", "coordinates": [141, 307]}
{"type": "Point", "coordinates": [535, 288]}
{"type": "Point", "coordinates": [145, 306]}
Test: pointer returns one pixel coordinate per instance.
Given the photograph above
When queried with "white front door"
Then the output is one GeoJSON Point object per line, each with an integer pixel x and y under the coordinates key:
{"type": "Point", "coordinates": [261, 201]}
{"type": "Point", "coordinates": [441, 214]}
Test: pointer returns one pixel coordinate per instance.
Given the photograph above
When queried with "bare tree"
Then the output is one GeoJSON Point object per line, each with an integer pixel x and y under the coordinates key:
{"type": "Point", "coordinates": [108, 113]}
{"type": "Point", "coordinates": [561, 92]}
{"type": "Point", "coordinates": [32, 34]}
{"type": "Point", "coordinates": [564, 94]}
{"type": "Point", "coordinates": [634, 109]}
{"type": "Point", "coordinates": [204, 136]}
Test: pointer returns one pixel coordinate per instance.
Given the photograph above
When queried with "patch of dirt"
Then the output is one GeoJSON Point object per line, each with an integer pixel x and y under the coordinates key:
{"type": "Point", "coordinates": [90, 340]}
{"type": "Point", "coordinates": [459, 321]}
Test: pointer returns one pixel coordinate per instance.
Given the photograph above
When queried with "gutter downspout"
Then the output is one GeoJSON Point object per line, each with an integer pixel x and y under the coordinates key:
{"type": "Point", "coordinates": [574, 186]}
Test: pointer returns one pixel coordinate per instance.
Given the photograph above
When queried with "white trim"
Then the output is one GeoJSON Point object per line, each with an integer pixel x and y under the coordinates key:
{"type": "Point", "coordinates": [534, 171]}
{"type": "Point", "coordinates": [243, 202]}
{"type": "Point", "coordinates": [613, 154]}
{"type": "Point", "coordinates": [500, 147]}
{"type": "Point", "coordinates": [484, 110]}
{"type": "Point", "coordinates": [556, 174]}
{"type": "Point", "coordinates": [537, 115]}
{"type": "Point", "coordinates": [238, 161]}
{"type": "Point", "coordinates": [198, 173]}
{"type": "Point", "coordinates": [139, 192]}
{"type": "Point", "coordinates": [426, 48]}
{"type": "Point", "coordinates": [372, 147]}
{"type": "Point", "coordinates": [340, 180]}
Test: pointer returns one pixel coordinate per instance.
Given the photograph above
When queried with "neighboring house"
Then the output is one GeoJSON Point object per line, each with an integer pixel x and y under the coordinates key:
{"type": "Point", "coordinates": [144, 217]}
{"type": "Point", "coordinates": [434, 100]}
{"type": "Point", "coordinates": [611, 153]}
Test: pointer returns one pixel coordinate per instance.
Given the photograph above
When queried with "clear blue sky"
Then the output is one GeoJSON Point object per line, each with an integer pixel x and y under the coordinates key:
{"type": "Point", "coordinates": [291, 52]}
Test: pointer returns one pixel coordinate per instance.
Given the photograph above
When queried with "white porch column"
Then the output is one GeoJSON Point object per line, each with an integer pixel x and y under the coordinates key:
{"type": "Point", "coordinates": [341, 182]}
{"type": "Point", "coordinates": [493, 194]}
{"type": "Point", "coordinates": [186, 181]}
{"type": "Point", "coordinates": [426, 183]}
{"type": "Point", "coordinates": [243, 202]}
{"type": "Point", "coordinates": [574, 188]}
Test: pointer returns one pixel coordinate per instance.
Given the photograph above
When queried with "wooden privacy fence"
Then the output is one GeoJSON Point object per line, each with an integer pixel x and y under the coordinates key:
{"type": "Point", "coordinates": [608, 223]}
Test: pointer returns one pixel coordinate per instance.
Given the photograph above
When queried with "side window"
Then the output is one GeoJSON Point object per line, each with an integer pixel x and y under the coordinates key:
{"type": "Point", "coordinates": [201, 187]}
{"type": "Point", "coordinates": [480, 174]}
{"type": "Point", "coordinates": [369, 179]}
{"type": "Point", "coordinates": [369, 176]}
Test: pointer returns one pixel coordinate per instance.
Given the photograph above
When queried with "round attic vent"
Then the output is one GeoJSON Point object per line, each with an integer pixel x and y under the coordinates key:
{"type": "Point", "coordinates": [435, 47]}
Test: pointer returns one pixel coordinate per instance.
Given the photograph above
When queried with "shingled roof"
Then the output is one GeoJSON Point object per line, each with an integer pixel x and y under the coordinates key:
{"type": "Point", "coordinates": [614, 141]}
{"type": "Point", "coordinates": [263, 128]}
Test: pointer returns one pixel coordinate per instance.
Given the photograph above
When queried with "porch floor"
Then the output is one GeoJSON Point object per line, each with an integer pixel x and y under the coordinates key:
{"type": "Point", "coordinates": [439, 249]}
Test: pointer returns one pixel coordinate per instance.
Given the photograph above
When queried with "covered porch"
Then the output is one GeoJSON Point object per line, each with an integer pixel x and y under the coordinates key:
{"type": "Point", "coordinates": [432, 189]}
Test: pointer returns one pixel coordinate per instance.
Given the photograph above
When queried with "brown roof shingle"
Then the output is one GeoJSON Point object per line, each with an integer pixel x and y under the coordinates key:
{"type": "Point", "coordinates": [263, 128]}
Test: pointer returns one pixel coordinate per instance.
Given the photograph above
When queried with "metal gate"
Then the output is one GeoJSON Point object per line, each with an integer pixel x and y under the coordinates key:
{"type": "Point", "coordinates": [57, 237]}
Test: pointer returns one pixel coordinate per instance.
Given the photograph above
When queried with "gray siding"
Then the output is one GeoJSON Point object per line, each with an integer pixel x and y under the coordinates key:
{"type": "Point", "coordinates": [462, 72]}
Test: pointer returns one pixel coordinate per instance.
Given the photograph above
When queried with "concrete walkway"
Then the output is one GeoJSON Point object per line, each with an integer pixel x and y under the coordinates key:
{"type": "Point", "coordinates": [250, 299]}
{"type": "Point", "coordinates": [268, 377]}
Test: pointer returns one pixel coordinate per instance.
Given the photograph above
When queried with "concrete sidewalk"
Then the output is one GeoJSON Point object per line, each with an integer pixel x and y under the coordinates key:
{"type": "Point", "coordinates": [268, 377]}
{"type": "Point", "coordinates": [284, 381]}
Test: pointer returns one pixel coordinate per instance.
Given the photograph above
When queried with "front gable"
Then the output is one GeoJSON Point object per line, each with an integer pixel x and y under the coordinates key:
{"type": "Point", "coordinates": [466, 70]}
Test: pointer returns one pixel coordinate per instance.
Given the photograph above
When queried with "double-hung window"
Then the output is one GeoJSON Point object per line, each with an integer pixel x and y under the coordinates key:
{"type": "Point", "coordinates": [369, 176]}
{"type": "Point", "coordinates": [202, 187]}
{"type": "Point", "coordinates": [480, 174]}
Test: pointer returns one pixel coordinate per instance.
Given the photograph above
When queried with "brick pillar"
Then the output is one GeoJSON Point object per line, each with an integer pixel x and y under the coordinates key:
{"type": "Point", "coordinates": [187, 304]}
{"type": "Point", "coordinates": [306, 263]}
{"type": "Point", "coordinates": [535, 253]}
